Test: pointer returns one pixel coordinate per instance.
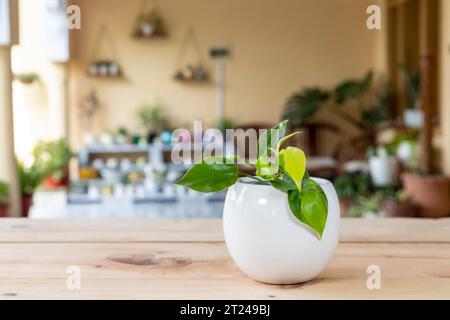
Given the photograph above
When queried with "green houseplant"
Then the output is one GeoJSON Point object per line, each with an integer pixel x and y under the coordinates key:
{"type": "Point", "coordinates": [27, 78]}
{"type": "Point", "coordinates": [412, 115]}
{"type": "Point", "coordinates": [153, 119]}
{"type": "Point", "coordinates": [30, 178]}
{"type": "Point", "coordinates": [275, 220]}
{"type": "Point", "coordinates": [302, 106]}
{"type": "Point", "coordinates": [52, 159]}
{"type": "Point", "coordinates": [149, 24]}
{"type": "Point", "coordinates": [4, 194]}
{"type": "Point", "coordinates": [306, 199]}
{"type": "Point", "coordinates": [367, 206]}
{"type": "Point", "coordinates": [350, 186]}
{"type": "Point", "coordinates": [431, 188]}
{"type": "Point", "coordinates": [398, 204]}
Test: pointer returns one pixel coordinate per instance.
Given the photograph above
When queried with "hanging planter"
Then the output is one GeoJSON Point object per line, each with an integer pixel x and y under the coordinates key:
{"type": "Point", "coordinates": [190, 72]}
{"type": "Point", "coordinates": [26, 78]}
{"type": "Point", "coordinates": [149, 23]}
{"type": "Point", "coordinates": [105, 68]}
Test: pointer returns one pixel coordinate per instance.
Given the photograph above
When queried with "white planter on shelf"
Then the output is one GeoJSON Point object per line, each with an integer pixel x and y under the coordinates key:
{"type": "Point", "coordinates": [383, 170]}
{"type": "Point", "coordinates": [147, 29]}
{"type": "Point", "coordinates": [406, 152]}
{"type": "Point", "coordinates": [268, 243]}
{"type": "Point", "coordinates": [413, 118]}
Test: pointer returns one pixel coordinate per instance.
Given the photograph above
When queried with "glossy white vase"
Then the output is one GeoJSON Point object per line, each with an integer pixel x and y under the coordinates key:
{"type": "Point", "coordinates": [268, 243]}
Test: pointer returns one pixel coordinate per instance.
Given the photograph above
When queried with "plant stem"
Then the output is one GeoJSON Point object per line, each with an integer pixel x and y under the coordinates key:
{"type": "Point", "coordinates": [242, 174]}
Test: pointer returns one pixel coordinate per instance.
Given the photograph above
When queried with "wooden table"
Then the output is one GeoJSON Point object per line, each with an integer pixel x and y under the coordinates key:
{"type": "Point", "coordinates": [167, 259]}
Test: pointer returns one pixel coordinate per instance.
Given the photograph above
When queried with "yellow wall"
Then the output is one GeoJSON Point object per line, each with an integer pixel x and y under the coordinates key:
{"type": "Point", "coordinates": [444, 84]}
{"type": "Point", "coordinates": [279, 46]}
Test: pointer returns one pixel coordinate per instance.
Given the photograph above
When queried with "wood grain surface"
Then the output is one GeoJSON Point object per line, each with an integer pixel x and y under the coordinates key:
{"type": "Point", "coordinates": [187, 259]}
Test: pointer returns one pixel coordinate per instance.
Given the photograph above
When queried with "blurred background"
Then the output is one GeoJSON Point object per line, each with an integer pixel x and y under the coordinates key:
{"type": "Point", "coordinates": [91, 90]}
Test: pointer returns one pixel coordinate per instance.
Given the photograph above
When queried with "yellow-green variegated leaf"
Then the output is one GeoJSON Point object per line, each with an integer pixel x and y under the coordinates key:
{"type": "Point", "coordinates": [293, 163]}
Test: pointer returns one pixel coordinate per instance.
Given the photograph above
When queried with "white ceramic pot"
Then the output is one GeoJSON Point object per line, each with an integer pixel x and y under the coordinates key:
{"type": "Point", "coordinates": [413, 118]}
{"type": "Point", "coordinates": [268, 243]}
{"type": "Point", "coordinates": [147, 29]}
{"type": "Point", "coordinates": [383, 171]}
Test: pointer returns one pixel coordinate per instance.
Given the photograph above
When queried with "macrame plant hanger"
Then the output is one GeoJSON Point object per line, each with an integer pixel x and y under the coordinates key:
{"type": "Point", "coordinates": [190, 40]}
{"type": "Point", "coordinates": [104, 36]}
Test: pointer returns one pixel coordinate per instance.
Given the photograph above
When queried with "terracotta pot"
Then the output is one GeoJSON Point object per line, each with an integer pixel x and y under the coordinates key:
{"type": "Point", "coordinates": [27, 202]}
{"type": "Point", "coordinates": [345, 204]}
{"type": "Point", "coordinates": [401, 210]}
{"type": "Point", "coordinates": [51, 183]}
{"type": "Point", "coordinates": [431, 193]}
{"type": "Point", "coordinates": [3, 209]}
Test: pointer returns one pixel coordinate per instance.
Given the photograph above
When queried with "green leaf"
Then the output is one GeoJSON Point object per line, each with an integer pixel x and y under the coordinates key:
{"type": "Point", "coordinates": [305, 179]}
{"type": "Point", "coordinates": [285, 183]}
{"type": "Point", "coordinates": [210, 175]}
{"type": "Point", "coordinates": [310, 206]}
{"type": "Point", "coordinates": [269, 139]}
{"type": "Point", "coordinates": [293, 163]}
{"type": "Point", "coordinates": [282, 140]}
{"type": "Point", "coordinates": [303, 105]}
{"type": "Point", "coordinates": [352, 89]}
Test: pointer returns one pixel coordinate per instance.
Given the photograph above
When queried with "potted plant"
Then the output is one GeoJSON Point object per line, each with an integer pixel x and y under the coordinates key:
{"type": "Point", "coordinates": [350, 186]}
{"type": "Point", "coordinates": [122, 136]}
{"type": "Point", "coordinates": [52, 158]}
{"type": "Point", "coordinates": [383, 167]}
{"type": "Point", "coordinates": [149, 24]}
{"type": "Point", "coordinates": [302, 106]}
{"type": "Point", "coordinates": [412, 116]}
{"type": "Point", "coordinates": [367, 206]}
{"type": "Point", "coordinates": [280, 225]}
{"type": "Point", "coordinates": [30, 178]}
{"type": "Point", "coordinates": [26, 78]}
{"type": "Point", "coordinates": [4, 194]}
{"type": "Point", "coordinates": [428, 189]}
{"type": "Point", "coordinates": [430, 192]}
{"type": "Point", "coordinates": [153, 119]}
{"type": "Point", "coordinates": [398, 205]}
{"type": "Point", "coordinates": [356, 101]}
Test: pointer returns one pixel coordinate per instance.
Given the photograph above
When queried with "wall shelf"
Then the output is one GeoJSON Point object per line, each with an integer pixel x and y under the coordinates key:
{"type": "Point", "coordinates": [118, 77]}
{"type": "Point", "coordinates": [156, 35]}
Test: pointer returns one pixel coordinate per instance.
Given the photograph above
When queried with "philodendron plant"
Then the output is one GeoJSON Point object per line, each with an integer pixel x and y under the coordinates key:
{"type": "Point", "coordinates": [283, 169]}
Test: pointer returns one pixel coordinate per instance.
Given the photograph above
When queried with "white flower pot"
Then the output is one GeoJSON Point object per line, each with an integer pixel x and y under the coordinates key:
{"type": "Point", "coordinates": [407, 153]}
{"type": "Point", "coordinates": [413, 118]}
{"type": "Point", "coordinates": [147, 29]}
{"type": "Point", "coordinates": [383, 171]}
{"type": "Point", "coordinates": [268, 243]}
